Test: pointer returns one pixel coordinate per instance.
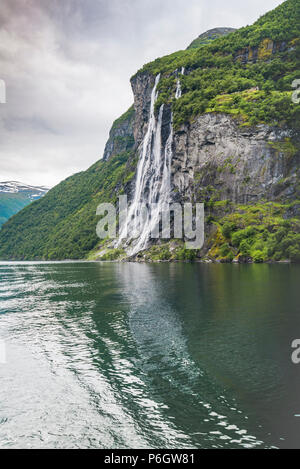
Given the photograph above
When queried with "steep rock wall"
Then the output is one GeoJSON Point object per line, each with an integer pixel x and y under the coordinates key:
{"type": "Point", "coordinates": [242, 164]}
{"type": "Point", "coordinates": [121, 137]}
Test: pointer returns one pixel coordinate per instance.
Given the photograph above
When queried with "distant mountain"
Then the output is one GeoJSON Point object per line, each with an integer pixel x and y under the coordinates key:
{"type": "Point", "coordinates": [210, 36]}
{"type": "Point", "coordinates": [15, 195]}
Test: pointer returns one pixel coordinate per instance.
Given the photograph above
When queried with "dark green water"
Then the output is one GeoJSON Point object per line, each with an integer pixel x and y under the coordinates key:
{"type": "Point", "coordinates": [149, 356]}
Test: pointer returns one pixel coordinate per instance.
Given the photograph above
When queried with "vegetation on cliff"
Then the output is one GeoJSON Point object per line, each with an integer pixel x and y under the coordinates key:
{"type": "Point", "coordinates": [264, 232]}
{"type": "Point", "coordinates": [248, 73]}
{"type": "Point", "coordinates": [260, 232]}
{"type": "Point", "coordinates": [210, 36]}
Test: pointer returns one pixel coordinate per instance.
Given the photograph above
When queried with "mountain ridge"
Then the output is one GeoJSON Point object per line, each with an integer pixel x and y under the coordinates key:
{"type": "Point", "coordinates": [210, 35]}
{"type": "Point", "coordinates": [17, 186]}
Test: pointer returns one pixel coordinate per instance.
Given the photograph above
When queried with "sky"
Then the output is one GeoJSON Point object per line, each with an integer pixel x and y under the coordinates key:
{"type": "Point", "coordinates": [67, 64]}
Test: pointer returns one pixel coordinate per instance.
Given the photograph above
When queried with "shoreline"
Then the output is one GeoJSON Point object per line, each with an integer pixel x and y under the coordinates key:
{"type": "Point", "coordinates": [140, 261]}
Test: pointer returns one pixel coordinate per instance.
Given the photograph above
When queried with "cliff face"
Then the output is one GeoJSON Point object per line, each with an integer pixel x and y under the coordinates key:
{"type": "Point", "coordinates": [243, 173]}
{"type": "Point", "coordinates": [121, 138]}
{"type": "Point", "coordinates": [264, 51]}
{"type": "Point", "coordinates": [243, 164]}
{"type": "Point", "coordinates": [235, 138]}
{"type": "Point", "coordinates": [142, 85]}
{"type": "Point", "coordinates": [226, 107]}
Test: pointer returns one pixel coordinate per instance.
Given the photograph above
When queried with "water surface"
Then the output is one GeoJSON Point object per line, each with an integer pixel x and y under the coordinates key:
{"type": "Point", "coordinates": [149, 356]}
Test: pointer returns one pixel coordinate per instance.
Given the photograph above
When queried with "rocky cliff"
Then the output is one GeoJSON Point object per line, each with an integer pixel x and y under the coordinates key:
{"type": "Point", "coordinates": [234, 163]}
{"type": "Point", "coordinates": [244, 164]}
{"type": "Point", "coordinates": [121, 138]}
{"type": "Point", "coordinates": [224, 164]}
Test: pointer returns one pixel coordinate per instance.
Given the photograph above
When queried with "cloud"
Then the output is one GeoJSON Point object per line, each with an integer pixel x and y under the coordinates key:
{"type": "Point", "coordinates": [67, 67]}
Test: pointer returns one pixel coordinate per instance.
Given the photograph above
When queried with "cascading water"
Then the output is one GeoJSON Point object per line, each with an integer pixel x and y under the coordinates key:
{"type": "Point", "coordinates": [152, 188]}
{"type": "Point", "coordinates": [178, 93]}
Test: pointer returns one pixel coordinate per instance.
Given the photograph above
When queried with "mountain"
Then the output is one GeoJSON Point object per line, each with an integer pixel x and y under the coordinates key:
{"type": "Point", "coordinates": [15, 195]}
{"type": "Point", "coordinates": [209, 36]}
{"type": "Point", "coordinates": [227, 134]}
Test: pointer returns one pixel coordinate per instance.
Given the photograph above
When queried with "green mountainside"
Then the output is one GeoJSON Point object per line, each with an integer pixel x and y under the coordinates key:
{"type": "Point", "coordinates": [62, 224]}
{"type": "Point", "coordinates": [246, 74]}
{"type": "Point", "coordinates": [209, 36]}
{"type": "Point", "coordinates": [10, 204]}
{"type": "Point", "coordinates": [14, 196]}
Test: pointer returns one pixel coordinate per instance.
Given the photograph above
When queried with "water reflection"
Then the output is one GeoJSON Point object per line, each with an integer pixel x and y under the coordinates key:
{"type": "Point", "coordinates": [130, 355]}
{"type": "Point", "coordinates": [175, 379]}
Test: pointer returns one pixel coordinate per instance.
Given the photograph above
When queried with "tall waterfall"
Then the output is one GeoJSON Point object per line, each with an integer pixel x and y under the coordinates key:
{"type": "Point", "coordinates": [152, 181]}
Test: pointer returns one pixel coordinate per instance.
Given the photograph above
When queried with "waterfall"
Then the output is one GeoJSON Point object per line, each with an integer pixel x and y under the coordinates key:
{"type": "Point", "coordinates": [178, 90]}
{"type": "Point", "coordinates": [152, 181]}
{"type": "Point", "coordinates": [178, 93]}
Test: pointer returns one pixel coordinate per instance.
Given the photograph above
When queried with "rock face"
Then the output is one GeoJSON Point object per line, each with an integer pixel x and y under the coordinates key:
{"type": "Point", "coordinates": [121, 137]}
{"type": "Point", "coordinates": [264, 51]}
{"type": "Point", "coordinates": [142, 85]}
{"type": "Point", "coordinates": [242, 165]}
{"type": "Point", "coordinates": [214, 156]}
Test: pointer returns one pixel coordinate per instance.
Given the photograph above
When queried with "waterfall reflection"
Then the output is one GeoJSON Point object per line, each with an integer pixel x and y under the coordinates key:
{"type": "Point", "coordinates": [187, 393]}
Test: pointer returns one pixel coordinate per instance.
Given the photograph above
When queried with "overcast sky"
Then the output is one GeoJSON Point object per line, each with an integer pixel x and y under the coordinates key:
{"type": "Point", "coordinates": [67, 65]}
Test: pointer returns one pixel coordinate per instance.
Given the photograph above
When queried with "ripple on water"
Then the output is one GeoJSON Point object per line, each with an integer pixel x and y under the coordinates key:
{"type": "Point", "coordinates": [122, 356]}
